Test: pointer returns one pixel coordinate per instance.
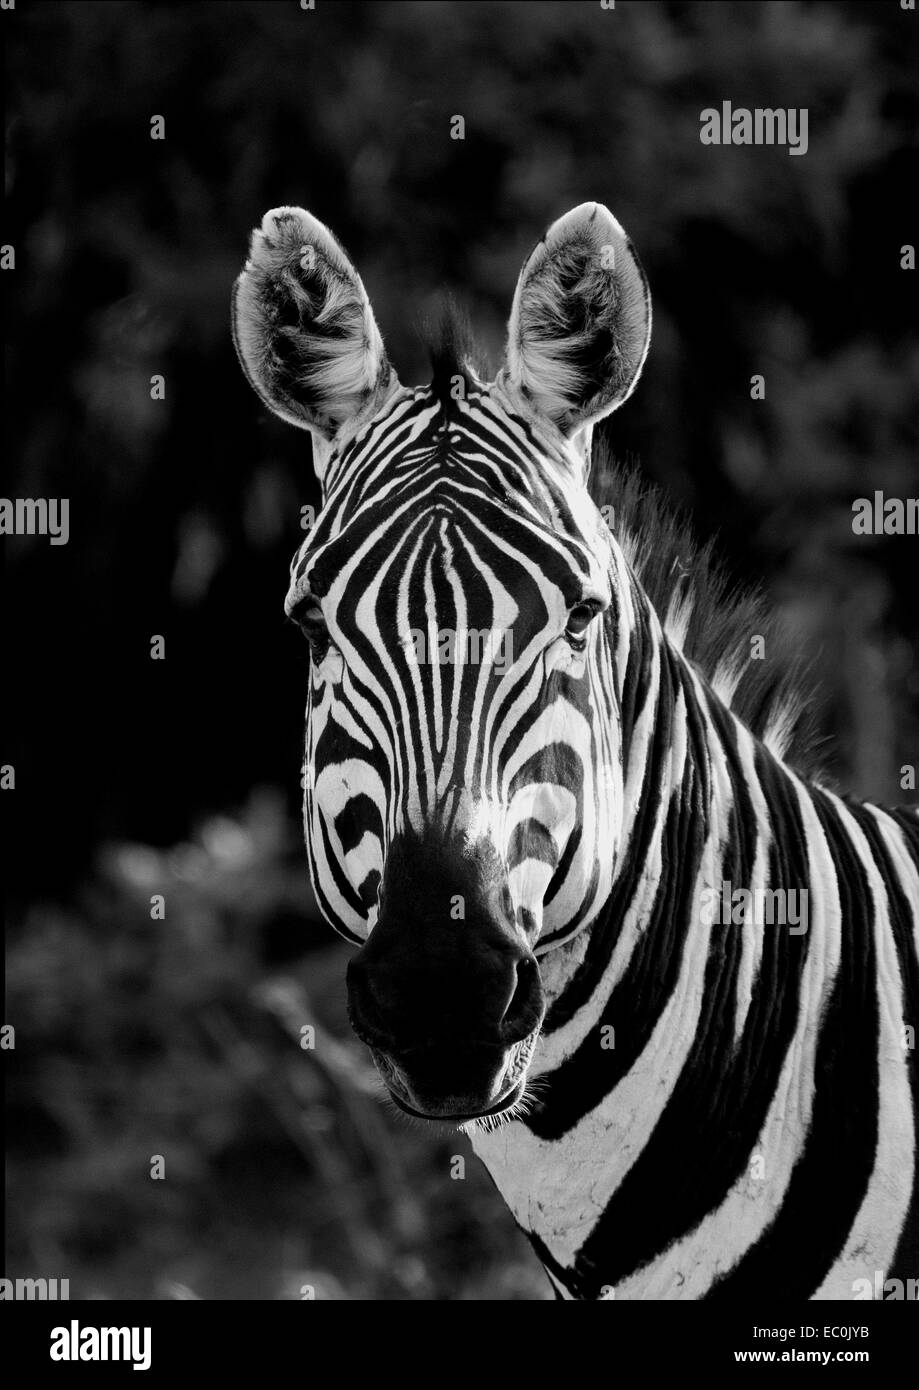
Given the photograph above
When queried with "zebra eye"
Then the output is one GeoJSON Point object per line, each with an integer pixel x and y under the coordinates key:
{"type": "Point", "coordinates": [579, 619]}
{"type": "Point", "coordinates": [311, 623]}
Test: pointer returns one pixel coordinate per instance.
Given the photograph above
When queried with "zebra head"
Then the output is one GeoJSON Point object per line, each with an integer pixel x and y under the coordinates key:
{"type": "Point", "coordinates": [461, 596]}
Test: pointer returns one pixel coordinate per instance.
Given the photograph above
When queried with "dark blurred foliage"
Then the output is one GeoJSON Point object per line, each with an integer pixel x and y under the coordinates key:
{"type": "Point", "coordinates": [180, 777]}
{"type": "Point", "coordinates": [180, 1040]}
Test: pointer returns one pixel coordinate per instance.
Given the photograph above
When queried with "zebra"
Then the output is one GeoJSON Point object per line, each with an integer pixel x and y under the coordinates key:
{"type": "Point", "coordinates": [531, 853]}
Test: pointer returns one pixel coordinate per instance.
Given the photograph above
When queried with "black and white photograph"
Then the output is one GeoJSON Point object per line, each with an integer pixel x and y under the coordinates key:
{"type": "Point", "coordinates": [460, 764]}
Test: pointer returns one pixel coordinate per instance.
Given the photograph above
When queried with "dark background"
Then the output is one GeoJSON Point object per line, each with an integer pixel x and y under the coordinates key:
{"type": "Point", "coordinates": [135, 777]}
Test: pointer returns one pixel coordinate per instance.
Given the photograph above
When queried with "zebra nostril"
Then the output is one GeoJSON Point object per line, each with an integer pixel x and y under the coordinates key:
{"type": "Point", "coordinates": [524, 1012]}
{"type": "Point", "coordinates": [363, 1012]}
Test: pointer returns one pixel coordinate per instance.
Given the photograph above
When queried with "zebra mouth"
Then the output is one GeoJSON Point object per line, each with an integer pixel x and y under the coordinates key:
{"type": "Point", "coordinates": [506, 1101]}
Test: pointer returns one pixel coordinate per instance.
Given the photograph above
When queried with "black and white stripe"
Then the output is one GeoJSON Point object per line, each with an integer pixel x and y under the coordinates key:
{"type": "Point", "coordinates": [753, 1129]}
{"type": "Point", "coordinates": [473, 536]}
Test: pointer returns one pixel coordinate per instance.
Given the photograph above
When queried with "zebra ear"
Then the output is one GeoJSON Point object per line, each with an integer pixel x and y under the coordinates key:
{"type": "Point", "coordinates": [581, 320]}
{"type": "Point", "coordinates": [303, 327]}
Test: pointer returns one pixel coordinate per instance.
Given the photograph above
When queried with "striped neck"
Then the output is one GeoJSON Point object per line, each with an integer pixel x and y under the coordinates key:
{"type": "Point", "coordinates": [698, 1078]}
{"type": "Point", "coordinates": [680, 749]}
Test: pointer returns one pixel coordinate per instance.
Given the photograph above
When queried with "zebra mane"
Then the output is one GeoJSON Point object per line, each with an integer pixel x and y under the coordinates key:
{"type": "Point", "coordinates": [451, 349]}
{"type": "Point", "coordinates": [709, 618]}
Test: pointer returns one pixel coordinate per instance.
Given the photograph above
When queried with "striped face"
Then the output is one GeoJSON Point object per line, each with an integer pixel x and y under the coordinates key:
{"type": "Point", "coordinates": [462, 768]}
{"type": "Point", "coordinates": [450, 593]}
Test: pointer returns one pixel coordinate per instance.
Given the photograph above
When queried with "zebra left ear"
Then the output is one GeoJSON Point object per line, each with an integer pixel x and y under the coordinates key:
{"type": "Point", "coordinates": [303, 326]}
{"type": "Point", "coordinates": [581, 320]}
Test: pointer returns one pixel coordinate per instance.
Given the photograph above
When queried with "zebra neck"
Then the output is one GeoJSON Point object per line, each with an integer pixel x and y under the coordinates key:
{"type": "Point", "coordinates": [685, 763]}
{"type": "Point", "coordinates": [725, 1102]}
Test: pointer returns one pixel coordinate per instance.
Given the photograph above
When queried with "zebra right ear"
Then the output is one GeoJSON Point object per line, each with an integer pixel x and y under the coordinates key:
{"type": "Point", "coordinates": [581, 320]}
{"type": "Point", "coordinates": [303, 327]}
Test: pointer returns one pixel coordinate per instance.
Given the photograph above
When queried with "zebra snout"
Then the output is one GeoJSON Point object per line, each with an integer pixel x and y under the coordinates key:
{"type": "Point", "coordinates": [400, 1000]}
{"type": "Point", "coordinates": [451, 1030]}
